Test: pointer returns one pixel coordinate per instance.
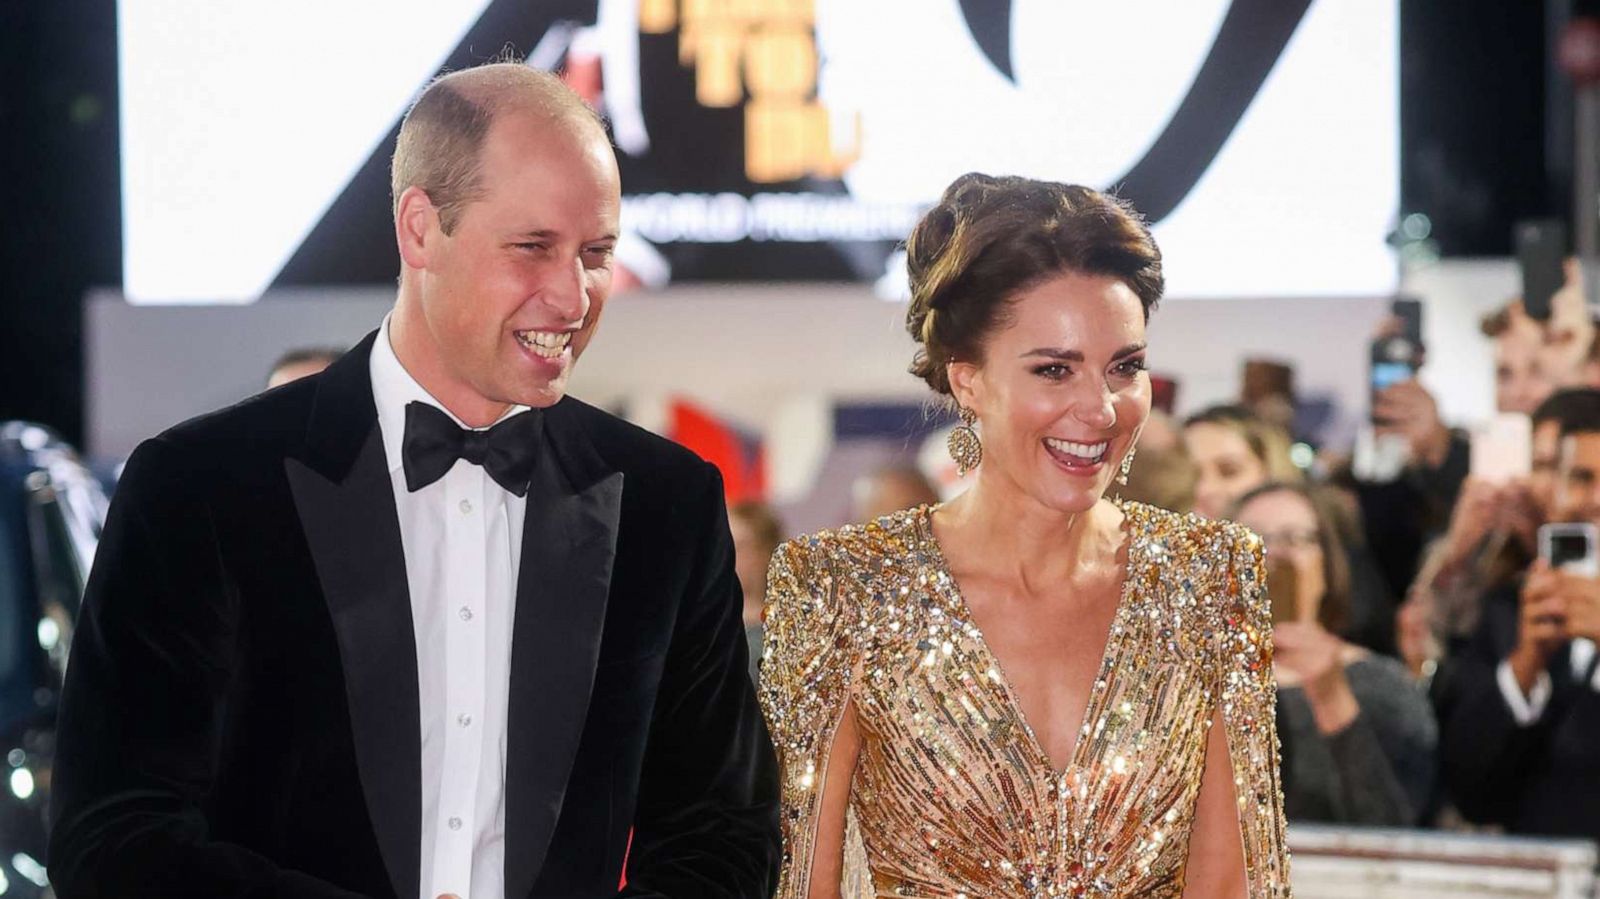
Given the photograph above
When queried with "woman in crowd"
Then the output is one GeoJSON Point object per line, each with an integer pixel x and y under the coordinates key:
{"type": "Point", "coordinates": [1162, 475]}
{"type": "Point", "coordinates": [1358, 734]}
{"type": "Point", "coordinates": [1234, 451]}
{"type": "Point", "coordinates": [1014, 693]}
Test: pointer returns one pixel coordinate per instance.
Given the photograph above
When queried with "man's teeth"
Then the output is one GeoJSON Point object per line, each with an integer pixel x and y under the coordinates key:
{"type": "Point", "coordinates": [548, 344]}
{"type": "Point", "coordinates": [1089, 452]}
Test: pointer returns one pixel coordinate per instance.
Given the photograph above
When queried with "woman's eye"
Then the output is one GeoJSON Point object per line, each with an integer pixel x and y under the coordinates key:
{"type": "Point", "coordinates": [1054, 372]}
{"type": "Point", "coordinates": [1130, 367]}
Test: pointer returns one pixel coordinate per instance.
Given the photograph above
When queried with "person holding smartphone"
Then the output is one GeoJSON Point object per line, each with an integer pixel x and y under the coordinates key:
{"type": "Point", "coordinates": [1490, 541]}
{"type": "Point", "coordinates": [1522, 719]}
{"type": "Point", "coordinates": [1359, 737]}
{"type": "Point", "coordinates": [1436, 496]}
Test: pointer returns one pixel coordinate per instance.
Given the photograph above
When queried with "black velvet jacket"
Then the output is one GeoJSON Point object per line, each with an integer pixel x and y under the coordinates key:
{"type": "Point", "coordinates": [240, 717]}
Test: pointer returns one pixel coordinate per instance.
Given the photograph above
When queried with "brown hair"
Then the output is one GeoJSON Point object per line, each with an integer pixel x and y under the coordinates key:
{"type": "Point", "coordinates": [327, 355]}
{"type": "Point", "coordinates": [1266, 441]}
{"type": "Point", "coordinates": [1498, 321]}
{"type": "Point", "coordinates": [1333, 613]}
{"type": "Point", "coordinates": [763, 522]}
{"type": "Point", "coordinates": [1163, 477]}
{"type": "Point", "coordinates": [990, 237]}
{"type": "Point", "coordinates": [442, 135]}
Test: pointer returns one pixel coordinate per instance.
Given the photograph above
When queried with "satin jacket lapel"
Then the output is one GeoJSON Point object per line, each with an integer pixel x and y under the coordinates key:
{"type": "Point", "coordinates": [569, 542]}
{"type": "Point", "coordinates": [346, 506]}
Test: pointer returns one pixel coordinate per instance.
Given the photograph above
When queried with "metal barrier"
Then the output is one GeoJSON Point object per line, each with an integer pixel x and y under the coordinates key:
{"type": "Point", "coordinates": [1375, 863]}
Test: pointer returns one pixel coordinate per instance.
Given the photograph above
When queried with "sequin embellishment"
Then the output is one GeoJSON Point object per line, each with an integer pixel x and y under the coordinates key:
{"type": "Point", "coordinates": [952, 796]}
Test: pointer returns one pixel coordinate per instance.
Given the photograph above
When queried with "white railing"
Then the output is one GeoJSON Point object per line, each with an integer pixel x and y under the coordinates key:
{"type": "Point", "coordinates": [1374, 863]}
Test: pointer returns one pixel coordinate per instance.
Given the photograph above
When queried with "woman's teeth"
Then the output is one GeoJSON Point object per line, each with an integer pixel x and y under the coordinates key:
{"type": "Point", "coordinates": [548, 344]}
{"type": "Point", "coordinates": [1088, 452]}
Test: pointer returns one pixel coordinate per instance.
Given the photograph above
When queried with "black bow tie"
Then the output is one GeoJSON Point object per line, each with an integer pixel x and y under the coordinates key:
{"type": "Point", "coordinates": [434, 442]}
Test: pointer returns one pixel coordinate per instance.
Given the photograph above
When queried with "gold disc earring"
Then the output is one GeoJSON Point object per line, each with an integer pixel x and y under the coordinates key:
{"type": "Point", "coordinates": [964, 445]}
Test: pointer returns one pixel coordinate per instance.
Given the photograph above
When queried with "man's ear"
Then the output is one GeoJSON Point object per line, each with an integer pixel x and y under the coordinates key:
{"type": "Point", "coordinates": [416, 227]}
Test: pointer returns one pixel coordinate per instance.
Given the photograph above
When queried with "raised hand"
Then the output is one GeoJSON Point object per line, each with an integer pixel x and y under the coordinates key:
{"type": "Point", "coordinates": [1477, 511]}
{"type": "Point", "coordinates": [1313, 658]}
{"type": "Point", "coordinates": [1412, 412]}
{"type": "Point", "coordinates": [1541, 624]}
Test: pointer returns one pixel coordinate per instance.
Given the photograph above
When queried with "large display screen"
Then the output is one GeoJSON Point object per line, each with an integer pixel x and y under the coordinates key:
{"type": "Point", "coordinates": [777, 139]}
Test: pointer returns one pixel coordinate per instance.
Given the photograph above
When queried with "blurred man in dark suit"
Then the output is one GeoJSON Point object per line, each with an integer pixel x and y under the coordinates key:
{"type": "Point", "coordinates": [1521, 742]}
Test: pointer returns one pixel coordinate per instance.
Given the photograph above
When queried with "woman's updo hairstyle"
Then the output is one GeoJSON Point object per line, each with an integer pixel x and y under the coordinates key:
{"type": "Point", "coordinates": [990, 238]}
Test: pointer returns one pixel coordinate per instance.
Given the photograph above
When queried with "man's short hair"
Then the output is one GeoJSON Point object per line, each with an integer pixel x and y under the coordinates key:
{"type": "Point", "coordinates": [327, 355]}
{"type": "Point", "coordinates": [441, 138]}
{"type": "Point", "coordinates": [1576, 410]}
{"type": "Point", "coordinates": [1498, 321]}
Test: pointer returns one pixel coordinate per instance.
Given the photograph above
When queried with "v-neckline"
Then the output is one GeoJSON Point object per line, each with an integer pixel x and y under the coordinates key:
{"type": "Point", "coordinates": [1097, 686]}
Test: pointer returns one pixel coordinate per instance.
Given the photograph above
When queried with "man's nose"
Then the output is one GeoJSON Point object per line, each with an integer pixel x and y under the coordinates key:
{"type": "Point", "coordinates": [567, 292]}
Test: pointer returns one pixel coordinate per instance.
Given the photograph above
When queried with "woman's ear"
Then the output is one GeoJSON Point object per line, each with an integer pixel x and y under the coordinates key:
{"type": "Point", "coordinates": [966, 385]}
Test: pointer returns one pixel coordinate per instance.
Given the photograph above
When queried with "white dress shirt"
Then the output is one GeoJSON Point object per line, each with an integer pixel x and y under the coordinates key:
{"type": "Point", "coordinates": [462, 537]}
{"type": "Point", "coordinates": [1527, 710]}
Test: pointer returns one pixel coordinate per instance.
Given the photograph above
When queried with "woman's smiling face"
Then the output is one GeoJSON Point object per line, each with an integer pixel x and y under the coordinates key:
{"type": "Point", "coordinates": [1061, 390]}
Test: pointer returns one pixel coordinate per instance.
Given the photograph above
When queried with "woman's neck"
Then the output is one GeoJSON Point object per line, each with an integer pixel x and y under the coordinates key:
{"type": "Point", "coordinates": [1018, 537]}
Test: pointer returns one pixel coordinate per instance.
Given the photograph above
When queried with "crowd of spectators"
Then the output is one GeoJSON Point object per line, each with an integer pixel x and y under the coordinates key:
{"type": "Point", "coordinates": [1432, 669]}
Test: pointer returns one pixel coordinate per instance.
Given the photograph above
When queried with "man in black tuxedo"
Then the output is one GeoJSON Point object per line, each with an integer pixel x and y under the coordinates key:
{"type": "Point", "coordinates": [419, 625]}
{"type": "Point", "coordinates": [1521, 709]}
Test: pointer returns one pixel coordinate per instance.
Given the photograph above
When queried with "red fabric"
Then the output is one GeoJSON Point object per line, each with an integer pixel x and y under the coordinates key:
{"type": "Point", "coordinates": [739, 458]}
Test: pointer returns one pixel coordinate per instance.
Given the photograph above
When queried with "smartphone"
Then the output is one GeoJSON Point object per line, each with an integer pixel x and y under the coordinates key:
{"type": "Point", "coordinates": [1394, 359]}
{"type": "Point", "coordinates": [1409, 311]}
{"type": "Point", "coordinates": [1569, 547]}
{"type": "Point", "coordinates": [1283, 590]}
{"type": "Point", "coordinates": [1541, 247]}
{"type": "Point", "coordinates": [1502, 448]}
{"type": "Point", "coordinates": [1386, 373]}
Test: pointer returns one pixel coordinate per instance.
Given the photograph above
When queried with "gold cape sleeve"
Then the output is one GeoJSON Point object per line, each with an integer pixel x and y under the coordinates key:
{"type": "Point", "coordinates": [808, 661]}
{"type": "Point", "coordinates": [1249, 703]}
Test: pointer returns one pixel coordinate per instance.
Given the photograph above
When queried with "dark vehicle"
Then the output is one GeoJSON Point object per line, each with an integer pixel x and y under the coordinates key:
{"type": "Point", "coordinates": [51, 512]}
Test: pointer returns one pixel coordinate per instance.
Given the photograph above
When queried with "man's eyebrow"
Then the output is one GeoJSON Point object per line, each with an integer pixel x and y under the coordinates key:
{"type": "Point", "coordinates": [551, 234]}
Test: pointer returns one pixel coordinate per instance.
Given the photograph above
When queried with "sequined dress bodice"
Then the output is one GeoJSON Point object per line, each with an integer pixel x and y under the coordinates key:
{"type": "Point", "coordinates": [952, 795]}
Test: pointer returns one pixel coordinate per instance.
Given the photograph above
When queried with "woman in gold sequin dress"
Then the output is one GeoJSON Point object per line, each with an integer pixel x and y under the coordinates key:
{"type": "Point", "coordinates": [1029, 691]}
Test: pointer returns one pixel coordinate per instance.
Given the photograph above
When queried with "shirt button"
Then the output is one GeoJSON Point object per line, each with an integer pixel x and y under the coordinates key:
{"type": "Point", "coordinates": [464, 719]}
{"type": "Point", "coordinates": [455, 823]}
{"type": "Point", "coordinates": [465, 506]}
{"type": "Point", "coordinates": [465, 613]}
